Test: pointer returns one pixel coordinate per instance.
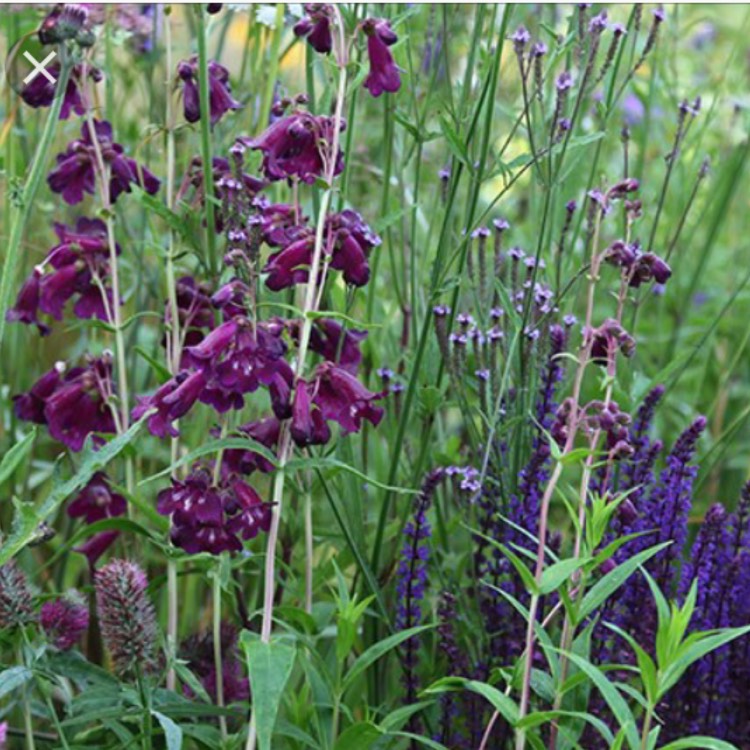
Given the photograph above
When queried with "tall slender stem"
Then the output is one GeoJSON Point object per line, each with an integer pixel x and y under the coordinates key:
{"type": "Point", "coordinates": [206, 154]}
{"type": "Point", "coordinates": [218, 663]}
{"type": "Point", "coordinates": [285, 439]}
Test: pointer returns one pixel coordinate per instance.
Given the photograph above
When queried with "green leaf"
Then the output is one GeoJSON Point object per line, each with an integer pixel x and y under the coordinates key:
{"type": "Point", "coordinates": [12, 679]}
{"type": "Point", "coordinates": [399, 717]}
{"type": "Point", "coordinates": [505, 705]}
{"type": "Point", "coordinates": [360, 736]}
{"type": "Point", "coordinates": [172, 731]}
{"type": "Point", "coordinates": [321, 462]}
{"type": "Point", "coordinates": [214, 446]}
{"type": "Point", "coordinates": [609, 583]}
{"type": "Point", "coordinates": [372, 654]}
{"type": "Point", "coordinates": [455, 142]}
{"type": "Point", "coordinates": [698, 741]}
{"type": "Point", "coordinates": [12, 459]}
{"type": "Point", "coordinates": [691, 652]}
{"type": "Point", "coordinates": [269, 666]}
{"type": "Point", "coordinates": [28, 517]}
{"type": "Point", "coordinates": [557, 573]}
{"type": "Point", "coordinates": [615, 701]}
{"type": "Point", "coordinates": [542, 717]}
{"type": "Point", "coordinates": [421, 740]}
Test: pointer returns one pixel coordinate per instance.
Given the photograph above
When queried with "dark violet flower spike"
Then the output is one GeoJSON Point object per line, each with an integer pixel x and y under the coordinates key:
{"type": "Point", "coordinates": [315, 26]}
{"type": "Point", "coordinates": [411, 576]}
{"type": "Point", "coordinates": [384, 74]}
{"type": "Point", "coordinates": [219, 90]}
{"type": "Point", "coordinates": [16, 603]}
{"type": "Point", "coordinates": [127, 617]}
{"type": "Point", "coordinates": [65, 620]}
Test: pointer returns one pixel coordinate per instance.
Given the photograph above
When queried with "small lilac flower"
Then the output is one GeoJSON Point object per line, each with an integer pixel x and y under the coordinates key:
{"type": "Point", "coordinates": [564, 81]}
{"type": "Point", "coordinates": [65, 620]}
{"type": "Point", "coordinates": [315, 26]}
{"type": "Point", "coordinates": [219, 90]}
{"type": "Point", "coordinates": [75, 173]}
{"type": "Point", "coordinates": [40, 91]}
{"type": "Point", "coordinates": [520, 38]}
{"type": "Point", "coordinates": [292, 146]}
{"type": "Point", "coordinates": [343, 399]}
{"type": "Point", "coordinates": [384, 74]}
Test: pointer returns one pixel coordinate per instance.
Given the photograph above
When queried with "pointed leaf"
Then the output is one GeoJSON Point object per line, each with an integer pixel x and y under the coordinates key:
{"type": "Point", "coordinates": [12, 459]}
{"type": "Point", "coordinates": [269, 666]}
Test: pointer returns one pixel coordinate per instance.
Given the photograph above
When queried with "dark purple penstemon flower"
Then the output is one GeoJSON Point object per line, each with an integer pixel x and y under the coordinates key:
{"type": "Point", "coordinates": [95, 502]}
{"type": "Point", "coordinates": [171, 401]}
{"type": "Point", "coordinates": [75, 173]}
{"type": "Point", "coordinates": [308, 426]}
{"type": "Point", "coordinates": [65, 620]}
{"type": "Point", "coordinates": [40, 91]}
{"type": "Point", "coordinates": [343, 399]}
{"type": "Point", "coordinates": [384, 74]}
{"type": "Point", "coordinates": [333, 342]}
{"type": "Point", "coordinates": [350, 241]}
{"type": "Point", "coordinates": [237, 358]}
{"type": "Point", "coordinates": [264, 431]}
{"type": "Point", "coordinates": [78, 262]}
{"type": "Point", "coordinates": [72, 404]}
{"type": "Point", "coordinates": [315, 26]}
{"type": "Point", "coordinates": [219, 90]}
{"type": "Point", "coordinates": [198, 652]}
{"type": "Point", "coordinates": [292, 147]}
{"type": "Point", "coordinates": [213, 518]}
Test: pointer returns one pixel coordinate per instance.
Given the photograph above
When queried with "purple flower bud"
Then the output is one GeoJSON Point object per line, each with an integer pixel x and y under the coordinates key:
{"type": "Point", "coordinates": [316, 27]}
{"type": "Point", "coordinates": [219, 90]}
{"type": "Point", "coordinates": [564, 81]}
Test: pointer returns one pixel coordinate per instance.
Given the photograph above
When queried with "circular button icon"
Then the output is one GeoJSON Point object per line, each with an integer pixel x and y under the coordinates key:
{"type": "Point", "coordinates": [30, 65]}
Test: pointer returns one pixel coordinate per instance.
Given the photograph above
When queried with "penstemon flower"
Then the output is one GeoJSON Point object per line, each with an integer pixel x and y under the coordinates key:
{"type": "Point", "coordinates": [384, 74]}
{"type": "Point", "coordinates": [219, 91]}
{"type": "Point", "coordinates": [75, 173]}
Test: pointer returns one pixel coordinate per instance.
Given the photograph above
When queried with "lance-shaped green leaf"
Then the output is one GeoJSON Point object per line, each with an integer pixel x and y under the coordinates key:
{"type": "Point", "coordinates": [269, 666]}
{"type": "Point", "coordinates": [12, 459]}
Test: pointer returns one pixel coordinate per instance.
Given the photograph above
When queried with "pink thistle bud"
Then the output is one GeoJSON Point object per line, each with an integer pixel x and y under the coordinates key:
{"type": "Point", "coordinates": [16, 605]}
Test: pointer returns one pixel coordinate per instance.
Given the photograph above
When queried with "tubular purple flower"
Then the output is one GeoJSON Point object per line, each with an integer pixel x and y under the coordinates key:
{"type": "Point", "coordinates": [292, 147]}
{"type": "Point", "coordinates": [40, 91]}
{"type": "Point", "coordinates": [172, 401]}
{"type": "Point", "coordinates": [315, 26]}
{"type": "Point", "coordinates": [343, 399]}
{"type": "Point", "coordinates": [219, 90]}
{"type": "Point", "coordinates": [384, 74]}
{"type": "Point", "coordinates": [75, 173]}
